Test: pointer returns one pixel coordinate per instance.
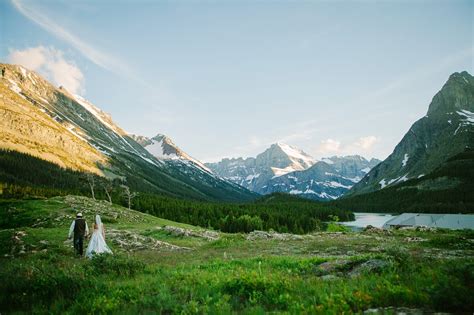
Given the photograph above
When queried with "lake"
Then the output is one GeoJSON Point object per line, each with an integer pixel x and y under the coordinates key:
{"type": "Point", "coordinates": [362, 219]}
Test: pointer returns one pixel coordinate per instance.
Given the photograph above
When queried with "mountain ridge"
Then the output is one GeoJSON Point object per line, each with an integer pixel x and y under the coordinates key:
{"type": "Point", "coordinates": [446, 130]}
{"type": "Point", "coordinates": [284, 168]}
{"type": "Point", "coordinates": [50, 123]}
{"type": "Point", "coordinates": [163, 147]}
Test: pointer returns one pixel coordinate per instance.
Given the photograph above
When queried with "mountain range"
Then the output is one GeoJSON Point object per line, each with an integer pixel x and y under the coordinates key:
{"type": "Point", "coordinates": [433, 164]}
{"type": "Point", "coordinates": [52, 124]}
{"type": "Point", "coordinates": [284, 168]}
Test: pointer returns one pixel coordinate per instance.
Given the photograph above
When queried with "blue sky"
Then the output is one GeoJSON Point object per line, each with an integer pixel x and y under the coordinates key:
{"type": "Point", "coordinates": [228, 78]}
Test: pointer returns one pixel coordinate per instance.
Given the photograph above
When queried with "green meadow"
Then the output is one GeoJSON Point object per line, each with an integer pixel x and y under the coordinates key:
{"type": "Point", "coordinates": [161, 266]}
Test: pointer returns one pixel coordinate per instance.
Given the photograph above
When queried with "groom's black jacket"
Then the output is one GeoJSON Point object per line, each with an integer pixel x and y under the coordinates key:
{"type": "Point", "coordinates": [79, 228]}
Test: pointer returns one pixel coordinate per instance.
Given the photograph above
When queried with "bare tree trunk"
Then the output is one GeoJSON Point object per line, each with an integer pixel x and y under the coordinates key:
{"type": "Point", "coordinates": [90, 180]}
{"type": "Point", "coordinates": [108, 195]}
{"type": "Point", "coordinates": [129, 195]}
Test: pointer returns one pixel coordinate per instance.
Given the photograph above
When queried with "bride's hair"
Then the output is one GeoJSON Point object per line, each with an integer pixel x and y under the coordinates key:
{"type": "Point", "coordinates": [98, 221]}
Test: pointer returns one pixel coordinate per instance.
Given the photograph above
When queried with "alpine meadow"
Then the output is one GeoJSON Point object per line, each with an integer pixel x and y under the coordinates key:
{"type": "Point", "coordinates": [202, 157]}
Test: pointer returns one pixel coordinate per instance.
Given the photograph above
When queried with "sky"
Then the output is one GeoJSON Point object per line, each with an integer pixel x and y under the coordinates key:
{"type": "Point", "coordinates": [229, 78]}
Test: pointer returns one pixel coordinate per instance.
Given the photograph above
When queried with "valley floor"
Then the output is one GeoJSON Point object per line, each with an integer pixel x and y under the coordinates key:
{"type": "Point", "coordinates": [161, 266]}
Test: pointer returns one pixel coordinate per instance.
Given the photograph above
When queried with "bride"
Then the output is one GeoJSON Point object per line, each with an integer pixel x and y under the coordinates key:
{"type": "Point", "coordinates": [97, 243]}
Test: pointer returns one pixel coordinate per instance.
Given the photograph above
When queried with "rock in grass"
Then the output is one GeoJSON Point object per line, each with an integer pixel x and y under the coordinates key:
{"type": "Point", "coordinates": [397, 311]}
{"type": "Point", "coordinates": [131, 241]}
{"type": "Point", "coordinates": [177, 231]}
{"type": "Point", "coordinates": [332, 266]}
{"type": "Point", "coordinates": [262, 235]}
{"type": "Point", "coordinates": [414, 239]}
{"type": "Point", "coordinates": [369, 229]}
{"type": "Point", "coordinates": [370, 266]}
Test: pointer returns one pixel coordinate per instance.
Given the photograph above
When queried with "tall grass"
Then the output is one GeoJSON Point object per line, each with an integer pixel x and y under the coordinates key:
{"type": "Point", "coordinates": [120, 283]}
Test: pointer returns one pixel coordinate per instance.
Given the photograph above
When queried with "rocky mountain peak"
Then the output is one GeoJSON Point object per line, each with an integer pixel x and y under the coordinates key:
{"type": "Point", "coordinates": [445, 132]}
{"type": "Point", "coordinates": [284, 158]}
{"type": "Point", "coordinates": [457, 94]}
{"type": "Point", "coordinates": [162, 147]}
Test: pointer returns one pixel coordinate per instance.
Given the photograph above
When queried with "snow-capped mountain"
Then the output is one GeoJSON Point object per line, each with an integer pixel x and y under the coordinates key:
{"type": "Point", "coordinates": [325, 180]}
{"type": "Point", "coordinates": [286, 159]}
{"type": "Point", "coordinates": [52, 124]}
{"type": "Point", "coordinates": [163, 148]}
{"type": "Point", "coordinates": [284, 168]}
{"type": "Point", "coordinates": [445, 131]}
{"type": "Point", "coordinates": [253, 173]}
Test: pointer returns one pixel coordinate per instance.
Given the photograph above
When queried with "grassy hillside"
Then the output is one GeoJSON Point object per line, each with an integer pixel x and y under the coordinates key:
{"type": "Point", "coordinates": [448, 189]}
{"type": "Point", "coordinates": [161, 266]}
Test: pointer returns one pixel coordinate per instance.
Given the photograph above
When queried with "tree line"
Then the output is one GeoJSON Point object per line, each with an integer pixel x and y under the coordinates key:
{"type": "Point", "coordinates": [23, 176]}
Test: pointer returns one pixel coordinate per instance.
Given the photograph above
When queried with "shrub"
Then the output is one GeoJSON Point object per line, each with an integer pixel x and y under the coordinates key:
{"type": "Point", "coordinates": [452, 291]}
{"type": "Point", "coordinates": [38, 283]}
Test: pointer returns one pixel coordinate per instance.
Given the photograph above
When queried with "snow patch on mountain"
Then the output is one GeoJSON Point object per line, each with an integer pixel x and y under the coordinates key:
{"type": "Point", "coordinates": [15, 88]}
{"type": "Point", "coordinates": [327, 160]}
{"type": "Point", "coordinates": [402, 179]}
{"type": "Point", "coordinates": [23, 71]}
{"type": "Point", "coordinates": [283, 171]}
{"type": "Point", "coordinates": [405, 159]}
{"type": "Point", "coordinates": [469, 116]}
{"type": "Point", "coordinates": [302, 159]}
{"type": "Point", "coordinates": [156, 148]}
{"type": "Point", "coordinates": [102, 116]}
{"type": "Point", "coordinates": [163, 148]}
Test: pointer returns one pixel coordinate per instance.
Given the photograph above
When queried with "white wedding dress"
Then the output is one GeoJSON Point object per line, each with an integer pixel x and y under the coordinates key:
{"type": "Point", "coordinates": [97, 243]}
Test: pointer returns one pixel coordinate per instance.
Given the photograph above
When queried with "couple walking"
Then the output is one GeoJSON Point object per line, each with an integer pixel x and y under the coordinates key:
{"type": "Point", "coordinates": [80, 230]}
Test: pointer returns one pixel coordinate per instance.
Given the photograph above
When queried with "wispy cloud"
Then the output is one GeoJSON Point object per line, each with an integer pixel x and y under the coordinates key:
{"type": "Point", "coordinates": [51, 63]}
{"type": "Point", "coordinates": [361, 146]}
{"type": "Point", "coordinates": [365, 143]}
{"type": "Point", "coordinates": [102, 59]}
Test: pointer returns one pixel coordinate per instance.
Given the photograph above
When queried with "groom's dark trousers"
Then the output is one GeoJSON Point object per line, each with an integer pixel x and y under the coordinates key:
{"type": "Point", "coordinates": [79, 234]}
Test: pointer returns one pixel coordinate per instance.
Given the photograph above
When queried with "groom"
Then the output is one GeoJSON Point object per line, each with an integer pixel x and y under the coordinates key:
{"type": "Point", "coordinates": [80, 229]}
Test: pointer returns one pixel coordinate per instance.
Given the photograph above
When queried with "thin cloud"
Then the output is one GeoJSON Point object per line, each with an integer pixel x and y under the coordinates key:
{"type": "Point", "coordinates": [329, 146]}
